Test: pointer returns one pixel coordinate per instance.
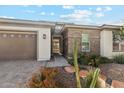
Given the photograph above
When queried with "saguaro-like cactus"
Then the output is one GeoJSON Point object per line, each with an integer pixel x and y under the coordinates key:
{"type": "Point", "coordinates": [75, 55]}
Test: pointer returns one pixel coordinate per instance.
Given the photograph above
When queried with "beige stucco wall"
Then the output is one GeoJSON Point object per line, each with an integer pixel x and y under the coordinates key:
{"type": "Point", "coordinates": [106, 44]}
{"type": "Point", "coordinates": [43, 45]}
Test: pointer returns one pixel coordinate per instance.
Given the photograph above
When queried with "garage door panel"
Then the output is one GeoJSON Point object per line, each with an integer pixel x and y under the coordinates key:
{"type": "Point", "coordinates": [17, 46]}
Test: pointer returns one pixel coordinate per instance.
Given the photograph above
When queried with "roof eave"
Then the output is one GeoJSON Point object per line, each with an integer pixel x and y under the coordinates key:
{"type": "Point", "coordinates": [82, 26]}
{"type": "Point", "coordinates": [29, 22]}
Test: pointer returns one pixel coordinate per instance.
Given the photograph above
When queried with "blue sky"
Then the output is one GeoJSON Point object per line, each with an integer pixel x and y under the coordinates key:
{"type": "Point", "coordinates": [93, 14]}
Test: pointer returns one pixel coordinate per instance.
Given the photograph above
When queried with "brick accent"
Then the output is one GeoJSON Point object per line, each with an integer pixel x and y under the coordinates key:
{"type": "Point", "coordinates": [71, 33]}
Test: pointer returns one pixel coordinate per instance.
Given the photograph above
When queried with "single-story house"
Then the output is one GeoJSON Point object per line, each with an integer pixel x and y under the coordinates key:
{"type": "Point", "coordinates": [26, 39]}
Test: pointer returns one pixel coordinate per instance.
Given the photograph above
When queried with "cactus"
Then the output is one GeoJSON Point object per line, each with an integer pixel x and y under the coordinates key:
{"type": "Point", "coordinates": [75, 55]}
{"type": "Point", "coordinates": [94, 78]}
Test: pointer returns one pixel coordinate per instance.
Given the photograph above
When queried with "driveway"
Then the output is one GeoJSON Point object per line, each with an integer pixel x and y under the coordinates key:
{"type": "Point", "coordinates": [15, 73]}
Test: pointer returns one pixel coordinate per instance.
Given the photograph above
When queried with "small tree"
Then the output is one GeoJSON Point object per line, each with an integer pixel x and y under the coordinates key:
{"type": "Point", "coordinates": [121, 33]}
{"type": "Point", "coordinates": [119, 36]}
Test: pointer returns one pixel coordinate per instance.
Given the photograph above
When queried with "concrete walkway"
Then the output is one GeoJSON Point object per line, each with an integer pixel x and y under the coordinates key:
{"type": "Point", "coordinates": [57, 61]}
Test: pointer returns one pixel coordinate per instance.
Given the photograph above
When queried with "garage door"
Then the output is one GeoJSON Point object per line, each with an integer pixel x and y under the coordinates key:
{"type": "Point", "coordinates": [17, 45]}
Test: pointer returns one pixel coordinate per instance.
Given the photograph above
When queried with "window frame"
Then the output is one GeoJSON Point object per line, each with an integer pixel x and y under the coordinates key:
{"type": "Point", "coordinates": [115, 34]}
{"type": "Point", "coordinates": [84, 50]}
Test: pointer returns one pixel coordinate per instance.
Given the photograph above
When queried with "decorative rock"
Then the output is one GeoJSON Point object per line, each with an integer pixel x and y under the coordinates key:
{"type": "Point", "coordinates": [83, 73]}
{"type": "Point", "coordinates": [117, 84]}
{"type": "Point", "coordinates": [69, 69]}
{"type": "Point", "coordinates": [65, 80]}
{"type": "Point", "coordinates": [101, 82]}
{"type": "Point", "coordinates": [103, 77]}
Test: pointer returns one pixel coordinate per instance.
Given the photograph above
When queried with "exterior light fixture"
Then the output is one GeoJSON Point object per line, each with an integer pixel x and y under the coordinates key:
{"type": "Point", "coordinates": [44, 36]}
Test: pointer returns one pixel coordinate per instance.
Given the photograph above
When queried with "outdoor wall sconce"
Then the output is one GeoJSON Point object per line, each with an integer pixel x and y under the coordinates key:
{"type": "Point", "coordinates": [44, 36]}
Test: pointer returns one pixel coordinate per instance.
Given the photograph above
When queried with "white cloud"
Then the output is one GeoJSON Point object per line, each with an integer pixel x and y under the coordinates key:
{"type": "Point", "coordinates": [108, 8]}
{"type": "Point", "coordinates": [42, 13]}
{"type": "Point", "coordinates": [99, 14]}
{"type": "Point", "coordinates": [29, 11]}
{"type": "Point", "coordinates": [68, 7]}
{"type": "Point", "coordinates": [7, 17]}
{"type": "Point", "coordinates": [52, 13]}
{"type": "Point", "coordinates": [98, 9]}
{"type": "Point", "coordinates": [47, 14]}
{"type": "Point", "coordinates": [77, 14]}
{"type": "Point", "coordinates": [78, 17]}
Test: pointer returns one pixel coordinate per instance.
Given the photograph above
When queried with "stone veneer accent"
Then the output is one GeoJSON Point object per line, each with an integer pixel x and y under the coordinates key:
{"type": "Point", "coordinates": [71, 33]}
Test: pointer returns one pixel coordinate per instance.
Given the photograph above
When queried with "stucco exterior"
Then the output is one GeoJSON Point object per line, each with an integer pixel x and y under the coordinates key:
{"type": "Point", "coordinates": [106, 43]}
{"type": "Point", "coordinates": [40, 47]}
{"type": "Point", "coordinates": [101, 39]}
{"type": "Point", "coordinates": [43, 44]}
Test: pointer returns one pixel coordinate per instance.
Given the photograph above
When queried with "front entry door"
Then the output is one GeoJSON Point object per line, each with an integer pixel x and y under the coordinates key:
{"type": "Point", "coordinates": [56, 46]}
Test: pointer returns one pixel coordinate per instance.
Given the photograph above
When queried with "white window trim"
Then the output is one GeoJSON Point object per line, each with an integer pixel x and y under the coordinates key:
{"type": "Point", "coordinates": [85, 42]}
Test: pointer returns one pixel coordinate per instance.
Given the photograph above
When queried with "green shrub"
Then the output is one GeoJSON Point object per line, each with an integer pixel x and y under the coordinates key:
{"type": "Point", "coordinates": [103, 60]}
{"type": "Point", "coordinates": [71, 61]}
{"type": "Point", "coordinates": [119, 58]}
{"type": "Point", "coordinates": [92, 59]}
{"type": "Point", "coordinates": [88, 59]}
{"type": "Point", "coordinates": [83, 59]}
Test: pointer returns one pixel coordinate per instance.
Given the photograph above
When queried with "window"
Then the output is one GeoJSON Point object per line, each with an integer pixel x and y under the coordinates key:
{"type": "Point", "coordinates": [85, 43]}
{"type": "Point", "coordinates": [118, 42]}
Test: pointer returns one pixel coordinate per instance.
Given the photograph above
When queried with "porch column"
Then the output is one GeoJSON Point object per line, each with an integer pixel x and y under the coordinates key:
{"type": "Point", "coordinates": [44, 44]}
{"type": "Point", "coordinates": [106, 43]}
